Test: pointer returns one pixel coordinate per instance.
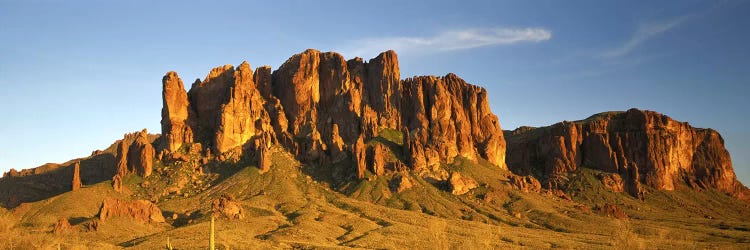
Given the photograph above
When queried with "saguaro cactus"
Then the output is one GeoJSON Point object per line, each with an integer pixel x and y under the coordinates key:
{"type": "Point", "coordinates": [211, 241]}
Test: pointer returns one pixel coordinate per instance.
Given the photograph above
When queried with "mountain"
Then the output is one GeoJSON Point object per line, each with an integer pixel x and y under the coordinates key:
{"type": "Point", "coordinates": [326, 152]}
{"type": "Point", "coordinates": [641, 147]}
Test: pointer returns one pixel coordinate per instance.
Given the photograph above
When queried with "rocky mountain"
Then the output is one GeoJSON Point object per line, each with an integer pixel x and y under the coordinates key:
{"type": "Point", "coordinates": [325, 152]}
{"type": "Point", "coordinates": [641, 147]}
{"type": "Point", "coordinates": [322, 108]}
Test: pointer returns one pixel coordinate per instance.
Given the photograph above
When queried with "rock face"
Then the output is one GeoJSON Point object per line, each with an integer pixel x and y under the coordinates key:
{"type": "Point", "coordinates": [326, 111]}
{"type": "Point", "coordinates": [228, 107]}
{"type": "Point", "coordinates": [176, 113]}
{"type": "Point", "coordinates": [135, 154]}
{"type": "Point", "coordinates": [642, 147]}
{"type": "Point", "coordinates": [76, 182]}
{"type": "Point", "coordinates": [142, 210]}
{"type": "Point", "coordinates": [141, 155]}
{"type": "Point", "coordinates": [446, 118]}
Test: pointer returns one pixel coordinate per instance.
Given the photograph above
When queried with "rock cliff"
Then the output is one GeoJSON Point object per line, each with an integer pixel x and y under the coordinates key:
{"type": "Point", "coordinates": [642, 147]}
{"type": "Point", "coordinates": [135, 154]}
{"type": "Point", "coordinates": [326, 109]}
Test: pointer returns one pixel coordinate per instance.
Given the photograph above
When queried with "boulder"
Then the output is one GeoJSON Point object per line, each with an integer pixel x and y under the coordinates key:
{"type": "Point", "coordinates": [141, 210]}
{"type": "Point", "coordinates": [61, 226]}
{"type": "Point", "coordinates": [399, 183]}
{"type": "Point", "coordinates": [227, 206]}
{"type": "Point", "coordinates": [526, 183]}
{"type": "Point", "coordinates": [461, 184]}
{"type": "Point", "coordinates": [117, 183]}
{"type": "Point", "coordinates": [612, 181]}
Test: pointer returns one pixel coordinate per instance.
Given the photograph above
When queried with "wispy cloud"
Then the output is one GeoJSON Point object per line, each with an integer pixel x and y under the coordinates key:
{"type": "Point", "coordinates": [448, 40]}
{"type": "Point", "coordinates": [645, 32]}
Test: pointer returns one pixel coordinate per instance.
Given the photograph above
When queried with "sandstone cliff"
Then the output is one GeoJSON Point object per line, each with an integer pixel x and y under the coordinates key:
{"type": "Point", "coordinates": [135, 154]}
{"type": "Point", "coordinates": [642, 147]}
{"type": "Point", "coordinates": [325, 109]}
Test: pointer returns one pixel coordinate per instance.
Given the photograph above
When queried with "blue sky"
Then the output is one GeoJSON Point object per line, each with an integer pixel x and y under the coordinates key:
{"type": "Point", "coordinates": [78, 75]}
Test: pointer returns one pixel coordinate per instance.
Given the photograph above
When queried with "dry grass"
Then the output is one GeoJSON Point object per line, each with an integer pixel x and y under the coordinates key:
{"type": "Point", "coordinates": [286, 209]}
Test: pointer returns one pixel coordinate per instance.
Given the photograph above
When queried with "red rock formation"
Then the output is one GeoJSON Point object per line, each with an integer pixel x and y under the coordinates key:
{"type": "Point", "coordinates": [229, 108]}
{"type": "Point", "coordinates": [461, 184]}
{"type": "Point", "coordinates": [317, 103]}
{"type": "Point", "coordinates": [400, 183]}
{"type": "Point", "coordinates": [383, 87]}
{"type": "Point", "coordinates": [135, 154]}
{"type": "Point", "coordinates": [643, 147]}
{"type": "Point", "coordinates": [142, 210]}
{"type": "Point", "coordinates": [176, 112]}
{"type": "Point", "coordinates": [264, 159]}
{"type": "Point", "coordinates": [360, 156]}
{"type": "Point", "coordinates": [61, 226]}
{"type": "Point", "coordinates": [526, 183]}
{"type": "Point", "coordinates": [612, 181]}
{"type": "Point", "coordinates": [76, 182]}
{"type": "Point", "coordinates": [117, 183]}
{"type": "Point", "coordinates": [376, 154]}
{"type": "Point", "coordinates": [122, 158]}
{"type": "Point", "coordinates": [141, 155]}
{"type": "Point", "coordinates": [296, 85]}
{"type": "Point", "coordinates": [454, 117]}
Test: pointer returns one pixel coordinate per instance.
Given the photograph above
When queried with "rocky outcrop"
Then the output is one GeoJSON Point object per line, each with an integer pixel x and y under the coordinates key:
{"type": "Point", "coordinates": [377, 158]}
{"type": "Point", "coordinates": [227, 206]}
{"type": "Point", "coordinates": [135, 154]}
{"type": "Point", "coordinates": [264, 160]}
{"type": "Point", "coordinates": [642, 147]}
{"type": "Point", "coordinates": [612, 181]}
{"type": "Point", "coordinates": [400, 182]}
{"type": "Point", "coordinates": [61, 226]}
{"type": "Point", "coordinates": [117, 183]}
{"type": "Point", "coordinates": [359, 150]}
{"type": "Point", "coordinates": [76, 180]}
{"type": "Point", "coordinates": [176, 113]}
{"type": "Point", "coordinates": [142, 210]}
{"type": "Point", "coordinates": [460, 184]}
{"type": "Point", "coordinates": [446, 118]}
{"type": "Point", "coordinates": [141, 155]}
{"type": "Point", "coordinates": [526, 184]}
{"type": "Point", "coordinates": [229, 109]}
{"type": "Point", "coordinates": [326, 111]}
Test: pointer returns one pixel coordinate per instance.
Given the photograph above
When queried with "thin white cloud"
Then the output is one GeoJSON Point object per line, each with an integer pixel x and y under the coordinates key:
{"type": "Point", "coordinates": [644, 32]}
{"type": "Point", "coordinates": [448, 40]}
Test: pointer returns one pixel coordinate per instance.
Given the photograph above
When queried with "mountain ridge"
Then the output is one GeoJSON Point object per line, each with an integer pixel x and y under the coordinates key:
{"type": "Point", "coordinates": [323, 137]}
